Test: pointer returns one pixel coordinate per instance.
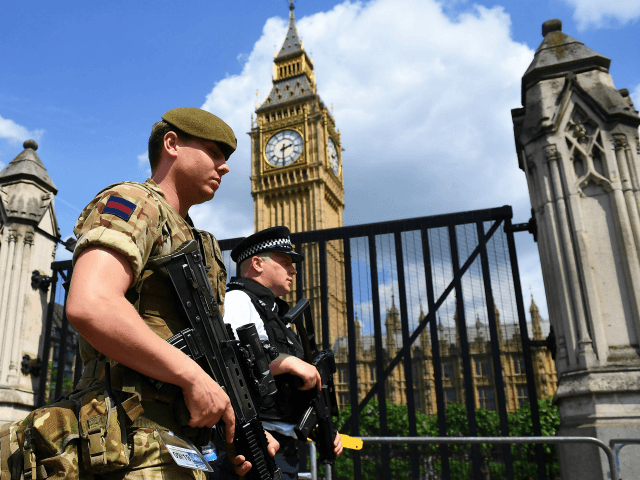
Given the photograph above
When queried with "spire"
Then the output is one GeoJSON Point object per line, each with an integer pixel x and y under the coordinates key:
{"type": "Point", "coordinates": [292, 44]}
{"type": "Point", "coordinates": [536, 320]}
{"type": "Point", "coordinates": [28, 166]}
{"type": "Point", "coordinates": [559, 53]}
{"type": "Point", "coordinates": [293, 75]}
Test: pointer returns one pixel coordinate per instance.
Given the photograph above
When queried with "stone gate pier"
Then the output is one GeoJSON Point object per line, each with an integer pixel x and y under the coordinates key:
{"type": "Point", "coordinates": [577, 142]}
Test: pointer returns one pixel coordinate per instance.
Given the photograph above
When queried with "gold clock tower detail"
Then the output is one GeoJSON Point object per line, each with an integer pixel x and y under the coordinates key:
{"type": "Point", "coordinates": [296, 169]}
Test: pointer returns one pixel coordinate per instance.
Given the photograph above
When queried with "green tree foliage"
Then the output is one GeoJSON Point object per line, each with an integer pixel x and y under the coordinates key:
{"type": "Point", "coordinates": [457, 426]}
{"type": "Point", "coordinates": [52, 375]}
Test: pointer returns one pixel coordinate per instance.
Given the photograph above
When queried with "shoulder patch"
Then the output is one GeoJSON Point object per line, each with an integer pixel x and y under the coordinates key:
{"type": "Point", "coordinates": [120, 207]}
{"type": "Point", "coordinates": [235, 286]}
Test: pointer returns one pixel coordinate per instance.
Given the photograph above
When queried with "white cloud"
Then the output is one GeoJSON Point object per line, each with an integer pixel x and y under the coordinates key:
{"type": "Point", "coordinates": [222, 218]}
{"type": "Point", "coordinates": [15, 133]}
{"type": "Point", "coordinates": [602, 13]}
{"type": "Point", "coordinates": [635, 96]}
{"type": "Point", "coordinates": [422, 100]}
{"type": "Point", "coordinates": [143, 163]}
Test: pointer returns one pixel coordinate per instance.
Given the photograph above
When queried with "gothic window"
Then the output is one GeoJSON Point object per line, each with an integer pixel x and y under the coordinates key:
{"type": "Point", "coordinates": [585, 146]}
{"type": "Point", "coordinates": [416, 400]}
{"type": "Point", "coordinates": [449, 396]}
{"type": "Point", "coordinates": [518, 366]}
{"type": "Point", "coordinates": [486, 397]}
{"type": "Point", "coordinates": [344, 399]}
{"type": "Point", "coordinates": [483, 368]}
{"type": "Point", "coordinates": [522, 395]}
{"type": "Point", "coordinates": [372, 373]}
{"type": "Point", "coordinates": [447, 370]}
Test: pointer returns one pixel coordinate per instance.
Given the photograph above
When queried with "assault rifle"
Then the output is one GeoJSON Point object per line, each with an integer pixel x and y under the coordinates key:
{"type": "Point", "coordinates": [241, 368]}
{"type": "Point", "coordinates": [324, 405]}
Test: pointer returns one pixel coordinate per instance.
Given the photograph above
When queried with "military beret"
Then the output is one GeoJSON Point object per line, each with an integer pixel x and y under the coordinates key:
{"type": "Point", "coordinates": [203, 124]}
{"type": "Point", "coordinates": [274, 239]}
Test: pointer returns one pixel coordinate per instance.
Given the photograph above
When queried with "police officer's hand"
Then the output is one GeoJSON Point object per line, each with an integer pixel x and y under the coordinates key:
{"type": "Point", "coordinates": [208, 403]}
{"type": "Point", "coordinates": [337, 444]}
{"type": "Point", "coordinates": [242, 467]}
{"type": "Point", "coordinates": [307, 372]}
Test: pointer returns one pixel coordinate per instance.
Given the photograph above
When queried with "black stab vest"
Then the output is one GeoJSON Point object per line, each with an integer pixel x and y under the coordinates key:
{"type": "Point", "coordinates": [271, 311]}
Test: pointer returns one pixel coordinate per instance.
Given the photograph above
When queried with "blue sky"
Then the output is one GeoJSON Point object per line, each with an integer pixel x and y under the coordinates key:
{"type": "Point", "coordinates": [422, 93]}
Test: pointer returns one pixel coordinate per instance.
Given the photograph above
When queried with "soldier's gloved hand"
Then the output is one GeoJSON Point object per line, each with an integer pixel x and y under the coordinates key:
{"type": "Point", "coordinates": [307, 372]}
{"type": "Point", "coordinates": [208, 403]}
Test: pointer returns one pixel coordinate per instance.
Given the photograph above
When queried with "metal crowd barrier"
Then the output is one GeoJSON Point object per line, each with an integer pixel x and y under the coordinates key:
{"type": "Point", "coordinates": [479, 440]}
{"type": "Point", "coordinates": [621, 442]}
{"type": "Point", "coordinates": [313, 465]}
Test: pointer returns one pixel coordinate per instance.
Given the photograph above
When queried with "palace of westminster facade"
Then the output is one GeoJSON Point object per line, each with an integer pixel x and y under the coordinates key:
{"type": "Point", "coordinates": [297, 181]}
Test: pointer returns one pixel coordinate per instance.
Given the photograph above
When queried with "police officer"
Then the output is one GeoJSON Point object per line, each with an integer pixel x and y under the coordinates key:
{"type": "Point", "coordinates": [266, 261]}
{"type": "Point", "coordinates": [123, 311]}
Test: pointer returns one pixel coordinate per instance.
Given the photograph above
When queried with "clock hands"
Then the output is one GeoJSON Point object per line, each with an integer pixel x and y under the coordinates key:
{"type": "Point", "coordinates": [284, 147]}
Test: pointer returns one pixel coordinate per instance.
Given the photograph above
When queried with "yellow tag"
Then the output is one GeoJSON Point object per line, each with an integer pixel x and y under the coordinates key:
{"type": "Point", "coordinates": [352, 443]}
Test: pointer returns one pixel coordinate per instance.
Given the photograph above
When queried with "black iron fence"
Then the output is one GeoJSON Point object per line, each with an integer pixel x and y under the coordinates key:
{"type": "Point", "coordinates": [426, 313]}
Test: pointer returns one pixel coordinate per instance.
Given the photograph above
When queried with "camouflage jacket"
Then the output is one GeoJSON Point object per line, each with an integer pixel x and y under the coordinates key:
{"type": "Point", "coordinates": [135, 220]}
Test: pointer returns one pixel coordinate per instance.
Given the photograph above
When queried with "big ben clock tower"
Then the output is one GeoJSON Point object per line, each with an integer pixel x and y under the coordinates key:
{"type": "Point", "coordinates": [296, 169]}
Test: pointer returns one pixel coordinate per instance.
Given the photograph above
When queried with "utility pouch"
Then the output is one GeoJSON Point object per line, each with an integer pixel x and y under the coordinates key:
{"type": "Point", "coordinates": [103, 422]}
{"type": "Point", "coordinates": [11, 462]}
{"type": "Point", "coordinates": [48, 442]}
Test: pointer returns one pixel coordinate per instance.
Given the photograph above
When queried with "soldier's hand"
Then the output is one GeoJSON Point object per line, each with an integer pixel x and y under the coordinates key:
{"type": "Point", "coordinates": [337, 444]}
{"type": "Point", "coordinates": [207, 404]}
{"type": "Point", "coordinates": [242, 467]}
{"type": "Point", "coordinates": [307, 372]}
{"type": "Point", "coordinates": [273, 445]}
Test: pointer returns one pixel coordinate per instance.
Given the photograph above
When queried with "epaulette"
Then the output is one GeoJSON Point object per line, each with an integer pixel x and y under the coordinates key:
{"type": "Point", "coordinates": [235, 286]}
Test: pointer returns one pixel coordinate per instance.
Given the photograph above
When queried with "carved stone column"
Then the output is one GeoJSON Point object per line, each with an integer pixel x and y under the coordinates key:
{"type": "Point", "coordinates": [14, 300]}
{"type": "Point", "coordinates": [5, 273]}
{"type": "Point", "coordinates": [577, 142]}
{"type": "Point", "coordinates": [25, 275]}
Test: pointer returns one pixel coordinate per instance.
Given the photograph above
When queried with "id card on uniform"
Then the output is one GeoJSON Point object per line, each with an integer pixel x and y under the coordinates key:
{"type": "Point", "coordinates": [183, 452]}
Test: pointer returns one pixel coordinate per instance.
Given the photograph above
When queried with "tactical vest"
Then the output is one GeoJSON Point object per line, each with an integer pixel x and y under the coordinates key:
{"type": "Point", "coordinates": [155, 301]}
{"type": "Point", "coordinates": [271, 311]}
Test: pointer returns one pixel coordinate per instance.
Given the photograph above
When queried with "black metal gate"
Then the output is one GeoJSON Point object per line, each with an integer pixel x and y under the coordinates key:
{"type": "Point", "coordinates": [460, 269]}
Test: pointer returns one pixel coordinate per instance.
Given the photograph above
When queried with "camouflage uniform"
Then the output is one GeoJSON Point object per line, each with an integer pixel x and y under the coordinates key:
{"type": "Point", "coordinates": [153, 228]}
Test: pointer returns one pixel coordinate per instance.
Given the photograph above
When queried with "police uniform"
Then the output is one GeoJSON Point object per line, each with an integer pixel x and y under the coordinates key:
{"type": "Point", "coordinates": [248, 301]}
{"type": "Point", "coordinates": [135, 220]}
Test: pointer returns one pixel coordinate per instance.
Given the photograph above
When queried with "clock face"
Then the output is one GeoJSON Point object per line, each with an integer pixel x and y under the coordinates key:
{"type": "Point", "coordinates": [284, 148]}
{"type": "Point", "coordinates": [332, 153]}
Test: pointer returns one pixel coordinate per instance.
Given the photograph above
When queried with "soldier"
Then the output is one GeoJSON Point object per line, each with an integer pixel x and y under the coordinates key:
{"type": "Point", "coordinates": [123, 311]}
{"type": "Point", "coordinates": [266, 260]}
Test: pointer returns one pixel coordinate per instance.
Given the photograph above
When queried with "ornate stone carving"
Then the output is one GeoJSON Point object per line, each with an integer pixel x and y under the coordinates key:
{"type": "Point", "coordinates": [28, 238]}
{"type": "Point", "coordinates": [620, 141]}
{"type": "Point", "coordinates": [13, 236]}
{"type": "Point", "coordinates": [551, 153]}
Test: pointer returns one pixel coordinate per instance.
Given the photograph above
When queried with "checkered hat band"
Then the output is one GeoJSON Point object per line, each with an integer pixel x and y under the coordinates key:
{"type": "Point", "coordinates": [264, 246]}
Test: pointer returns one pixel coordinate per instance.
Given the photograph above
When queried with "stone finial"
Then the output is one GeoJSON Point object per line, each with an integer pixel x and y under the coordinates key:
{"type": "Point", "coordinates": [553, 25]}
{"type": "Point", "coordinates": [32, 144]}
